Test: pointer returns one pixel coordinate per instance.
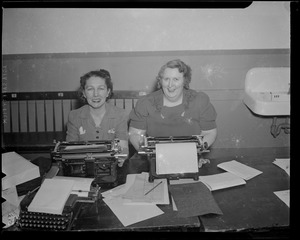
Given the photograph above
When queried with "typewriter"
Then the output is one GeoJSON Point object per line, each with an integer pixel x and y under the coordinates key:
{"type": "Point", "coordinates": [38, 221]}
{"type": "Point", "coordinates": [95, 159]}
{"type": "Point", "coordinates": [148, 148]}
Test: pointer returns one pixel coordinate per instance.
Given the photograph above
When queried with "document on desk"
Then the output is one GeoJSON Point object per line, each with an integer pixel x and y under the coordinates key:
{"type": "Point", "coordinates": [194, 200]}
{"type": "Point", "coordinates": [283, 163]}
{"type": "Point", "coordinates": [126, 210]}
{"type": "Point", "coordinates": [10, 206]}
{"type": "Point", "coordinates": [239, 169]}
{"type": "Point", "coordinates": [284, 196]}
{"type": "Point", "coordinates": [215, 181]}
{"type": "Point", "coordinates": [17, 170]}
{"type": "Point", "coordinates": [176, 158]}
{"type": "Point", "coordinates": [143, 191]}
{"type": "Point", "coordinates": [52, 196]}
{"type": "Point", "coordinates": [129, 214]}
{"type": "Point", "coordinates": [81, 186]}
{"type": "Point", "coordinates": [120, 190]}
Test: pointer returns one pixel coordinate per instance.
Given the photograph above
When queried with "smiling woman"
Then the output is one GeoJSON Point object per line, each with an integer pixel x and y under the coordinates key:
{"type": "Point", "coordinates": [174, 109]}
{"type": "Point", "coordinates": [97, 119]}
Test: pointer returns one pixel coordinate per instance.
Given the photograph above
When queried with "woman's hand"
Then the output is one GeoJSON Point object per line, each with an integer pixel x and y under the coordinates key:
{"type": "Point", "coordinates": [123, 155]}
{"type": "Point", "coordinates": [202, 161]}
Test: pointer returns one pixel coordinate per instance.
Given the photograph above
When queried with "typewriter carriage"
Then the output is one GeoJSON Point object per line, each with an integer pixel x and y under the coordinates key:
{"type": "Point", "coordinates": [148, 148]}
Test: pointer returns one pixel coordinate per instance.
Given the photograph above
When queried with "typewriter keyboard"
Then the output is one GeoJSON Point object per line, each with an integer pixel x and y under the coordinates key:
{"type": "Point", "coordinates": [44, 221]}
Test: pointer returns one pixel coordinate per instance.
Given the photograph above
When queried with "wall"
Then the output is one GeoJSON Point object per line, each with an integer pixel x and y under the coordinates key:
{"type": "Point", "coordinates": [54, 30]}
{"type": "Point", "coordinates": [44, 51]}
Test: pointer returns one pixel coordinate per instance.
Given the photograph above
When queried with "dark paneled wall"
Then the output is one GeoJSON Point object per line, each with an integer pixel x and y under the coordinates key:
{"type": "Point", "coordinates": [219, 73]}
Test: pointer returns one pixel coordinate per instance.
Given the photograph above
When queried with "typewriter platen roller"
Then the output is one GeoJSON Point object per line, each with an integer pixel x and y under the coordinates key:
{"type": "Point", "coordinates": [97, 159]}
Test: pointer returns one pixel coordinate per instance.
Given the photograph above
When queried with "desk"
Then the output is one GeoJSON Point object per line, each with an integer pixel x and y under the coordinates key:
{"type": "Point", "coordinates": [250, 207]}
{"type": "Point", "coordinates": [89, 220]}
{"type": "Point", "coordinates": [105, 220]}
{"type": "Point", "coordinates": [254, 205]}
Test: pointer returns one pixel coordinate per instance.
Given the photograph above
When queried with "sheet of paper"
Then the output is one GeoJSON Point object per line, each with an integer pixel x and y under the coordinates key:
{"type": "Point", "coordinates": [121, 189]}
{"type": "Point", "coordinates": [172, 158]}
{"type": "Point", "coordinates": [140, 190]}
{"type": "Point", "coordinates": [10, 207]}
{"type": "Point", "coordinates": [239, 169]}
{"type": "Point", "coordinates": [194, 200]}
{"type": "Point", "coordinates": [215, 181]}
{"type": "Point", "coordinates": [174, 205]}
{"type": "Point", "coordinates": [17, 169]}
{"type": "Point", "coordinates": [52, 196]}
{"type": "Point", "coordinates": [130, 214]}
{"type": "Point", "coordinates": [81, 185]}
{"type": "Point", "coordinates": [283, 163]}
{"type": "Point", "coordinates": [284, 196]}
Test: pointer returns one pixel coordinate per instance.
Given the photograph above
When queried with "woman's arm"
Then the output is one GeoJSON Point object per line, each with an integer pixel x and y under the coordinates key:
{"type": "Point", "coordinates": [72, 130]}
{"type": "Point", "coordinates": [125, 150]}
{"type": "Point", "coordinates": [209, 136]}
{"type": "Point", "coordinates": [136, 137]}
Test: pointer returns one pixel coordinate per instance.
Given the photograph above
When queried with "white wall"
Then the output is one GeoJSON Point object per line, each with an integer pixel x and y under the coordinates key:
{"type": "Point", "coordinates": [41, 30]}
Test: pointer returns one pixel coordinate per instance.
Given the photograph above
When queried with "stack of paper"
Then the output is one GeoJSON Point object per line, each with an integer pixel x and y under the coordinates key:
{"type": "Point", "coordinates": [142, 190]}
{"type": "Point", "coordinates": [17, 170]}
{"type": "Point", "coordinates": [126, 200]}
{"type": "Point", "coordinates": [215, 182]}
{"type": "Point", "coordinates": [239, 169]}
{"type": "Point", "coordinates": [52, 196]}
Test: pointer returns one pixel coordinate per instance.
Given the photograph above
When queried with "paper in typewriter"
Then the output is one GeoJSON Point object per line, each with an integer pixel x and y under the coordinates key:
{"type": "Point", "coordinates": [172, 158]}
{"type": "Point", "coordinates": [52, 196]}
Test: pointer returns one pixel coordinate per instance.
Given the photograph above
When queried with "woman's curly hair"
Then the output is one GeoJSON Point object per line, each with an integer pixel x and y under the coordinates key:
{"type": "Point", "coordinates": [182, 68]}
{"type": "Point", "coordinates": [102, 73]}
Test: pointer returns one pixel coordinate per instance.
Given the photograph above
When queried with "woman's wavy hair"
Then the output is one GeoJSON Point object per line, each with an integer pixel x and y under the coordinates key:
{"type": "Point", "coordinates": [102, 73]}
{"type": "Point", "coordinates": [182, 68]}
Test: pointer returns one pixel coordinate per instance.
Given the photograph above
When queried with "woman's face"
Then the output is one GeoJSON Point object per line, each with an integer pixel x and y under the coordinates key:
{"type": "Point", "coordinates": [172, 84]}
{"type": "Point", "coordinates": [96, 92]}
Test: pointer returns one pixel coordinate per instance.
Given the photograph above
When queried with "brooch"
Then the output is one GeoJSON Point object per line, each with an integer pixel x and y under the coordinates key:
{"type": "Point", "coordinates": [112, 131]}
{"type": "Point", "coordinates": [81, 131]}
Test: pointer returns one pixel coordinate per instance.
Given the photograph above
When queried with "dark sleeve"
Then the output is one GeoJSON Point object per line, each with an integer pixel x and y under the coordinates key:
{"type": "Point", "coordinates": [122, 126]}
{"type": "Point", "coordinates": [207, 114]}
{"type": "Point", "coordinates": [72, 130]}
{"type": "Point", "coordinates": [138, 115]}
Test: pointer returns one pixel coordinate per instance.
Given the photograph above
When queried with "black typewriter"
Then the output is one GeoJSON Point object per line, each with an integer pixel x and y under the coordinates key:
{"type": "Point", "coordinates": [38, 221]}
{"type": "Point", "coordinates": [148, 148]}
{"type": "Point", "coordinates": [93, 159]}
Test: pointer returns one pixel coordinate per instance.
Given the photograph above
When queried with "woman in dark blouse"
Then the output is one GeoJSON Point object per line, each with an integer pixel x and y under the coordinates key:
{"type": "Point", "coordinates": [174, 109]}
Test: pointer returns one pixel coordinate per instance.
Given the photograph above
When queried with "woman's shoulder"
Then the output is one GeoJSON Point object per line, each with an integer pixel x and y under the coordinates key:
{"type": "Point", "coordinates": [151, 98]}
{"type": "Point", "coordinates": [196, 95]}
{"type": "Point", "coordinates": [79, 111]}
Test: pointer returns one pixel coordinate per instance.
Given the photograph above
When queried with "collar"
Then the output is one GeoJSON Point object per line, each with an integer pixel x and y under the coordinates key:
{"type": "Point", "coordinates": [110, 113]}
{"type": "Point", "coordinates": [158, 98]}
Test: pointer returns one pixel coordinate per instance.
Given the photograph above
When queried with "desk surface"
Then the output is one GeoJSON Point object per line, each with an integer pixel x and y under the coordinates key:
{"type": "Point", "coordinates": [247, 207]}
{"type": "Point", "coordinates": [254, 205]}
{"type": "Point", "coordinates": [105, 220]}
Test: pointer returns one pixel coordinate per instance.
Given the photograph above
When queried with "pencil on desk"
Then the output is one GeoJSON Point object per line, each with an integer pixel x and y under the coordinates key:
{"type": "Point", "coordinates": [153, 188]}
